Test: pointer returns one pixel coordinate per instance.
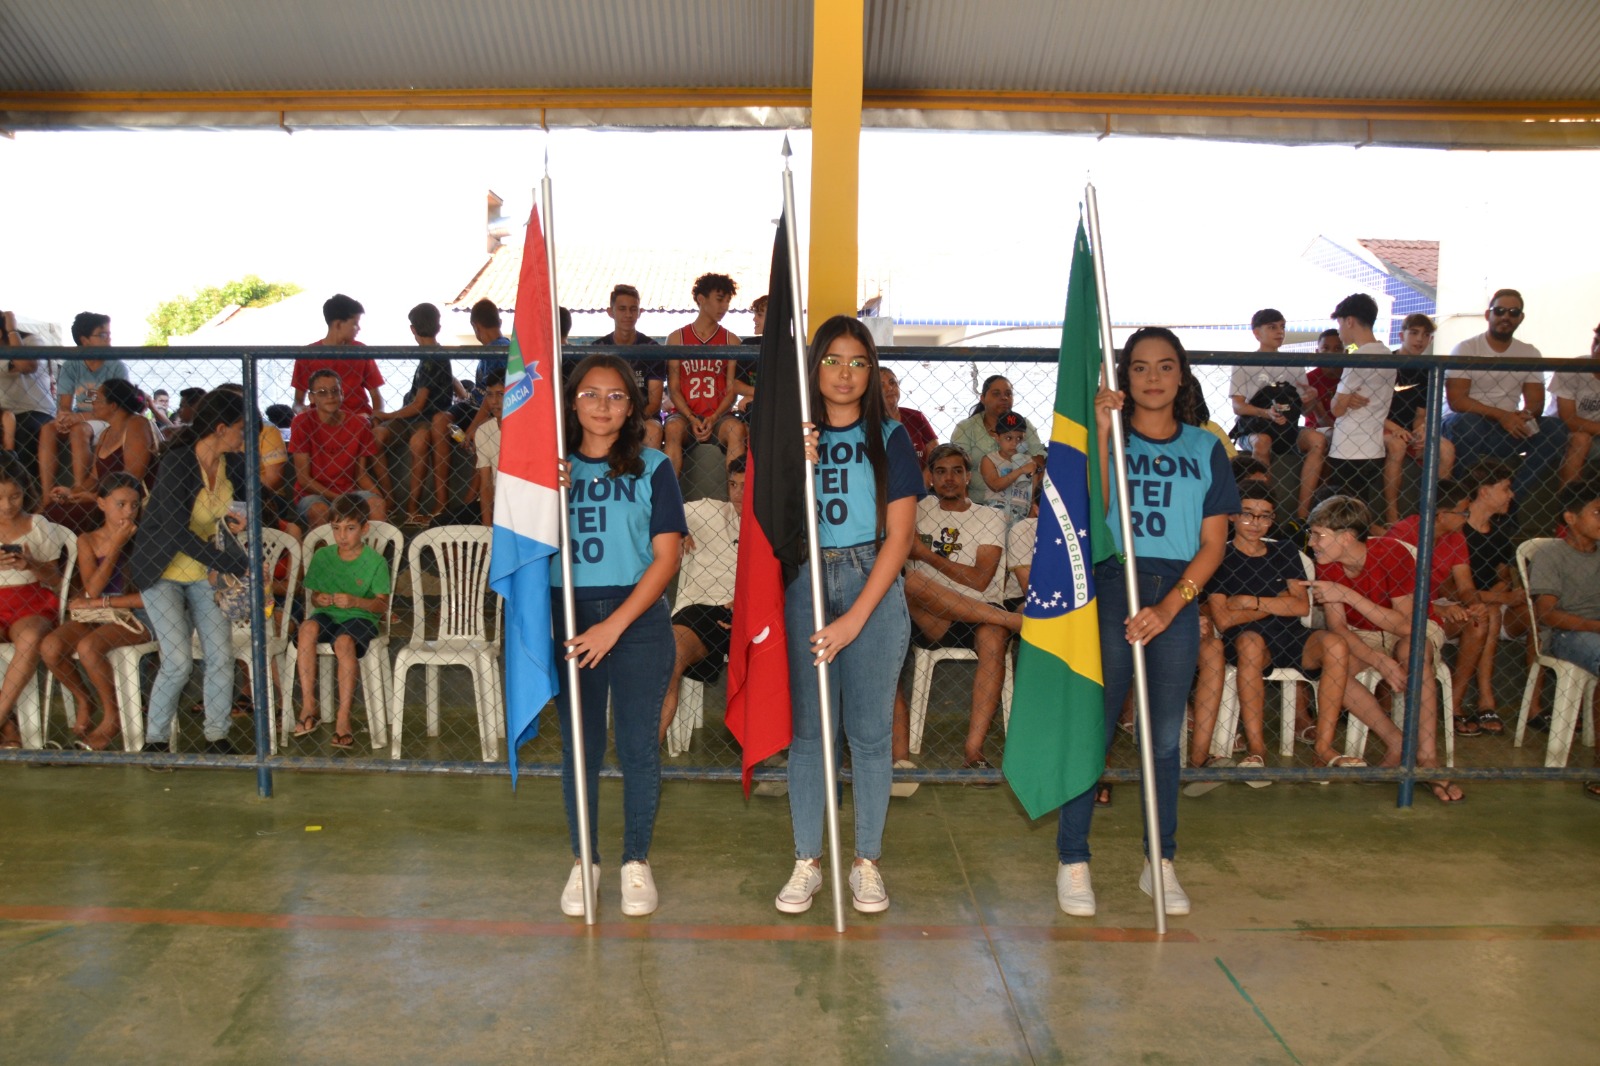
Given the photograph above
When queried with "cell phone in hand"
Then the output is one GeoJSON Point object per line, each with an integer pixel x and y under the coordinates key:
{"type": "Point", "coordinates": [13, 549]}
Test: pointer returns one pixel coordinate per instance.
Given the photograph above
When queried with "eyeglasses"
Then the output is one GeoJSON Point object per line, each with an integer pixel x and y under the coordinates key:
{"type": "Point", "coordinates": [103, 334]}
{"type": "Point", "coordinates": [1500, 312]}
{"type": "Point", "coordinates": [1254, 516]}
{"type": "Point", "coordinates": [332, 390]}
{"type": "Point", "coordinates": [595, 397]}
{"type": "Point", "coordinates": [1326, 534]}
{"type": "Point", "coordinates": [855, 364]}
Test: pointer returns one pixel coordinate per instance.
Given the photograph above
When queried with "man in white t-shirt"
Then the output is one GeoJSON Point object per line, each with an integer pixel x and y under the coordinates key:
{"type": "Point", "coordinates": [1360, 404]}
{"type": "Point", "coordinates": [1268, 402]}
{"type": "Point", "coordinates": [1576, 401]}
{"type": "Point", "coordinates": [955, 582]}
{"type": "Point", "coordinates": [1496, 414]}
{"type": "Point", "coordinates": [486, 444]}
{"type": "Point", "coordinates": [703, 620]}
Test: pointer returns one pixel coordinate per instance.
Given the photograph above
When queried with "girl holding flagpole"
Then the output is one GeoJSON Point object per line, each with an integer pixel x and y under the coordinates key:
{"type": "Point", "coordinates": [868, 481]}
{"type": "Point", "coordinates": [1180, 494]}
{"type": "Point", "coordinates": [625, 514]}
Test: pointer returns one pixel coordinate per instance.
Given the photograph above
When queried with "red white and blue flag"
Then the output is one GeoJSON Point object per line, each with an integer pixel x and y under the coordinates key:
{"type": "Point", "coordinates": [527, 504]}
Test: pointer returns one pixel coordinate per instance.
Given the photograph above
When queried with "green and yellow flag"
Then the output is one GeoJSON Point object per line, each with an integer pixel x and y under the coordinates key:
{"type": "Point", "coordinates": [1056, 742]}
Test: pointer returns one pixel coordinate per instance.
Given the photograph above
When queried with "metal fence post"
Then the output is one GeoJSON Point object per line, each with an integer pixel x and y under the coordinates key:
{"type": "Point", "coordinates": [1417, 674]}
{"type": "Point", "coordinates": [259, 693]}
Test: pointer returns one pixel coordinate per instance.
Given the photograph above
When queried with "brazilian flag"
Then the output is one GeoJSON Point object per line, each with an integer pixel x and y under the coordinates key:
{"type": "Point", "coordinates": [1056, 742]}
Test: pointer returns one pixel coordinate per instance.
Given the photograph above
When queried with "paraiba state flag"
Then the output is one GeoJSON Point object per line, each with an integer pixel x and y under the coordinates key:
{"type": "Point", "coordinates": [527, 504]}
{"type": "Point", "coordinates": [1056, 744]}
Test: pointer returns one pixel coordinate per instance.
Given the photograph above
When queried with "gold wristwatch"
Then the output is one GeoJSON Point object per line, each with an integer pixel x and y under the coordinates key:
{"type": "Point", "coordinates": [1188, 590]}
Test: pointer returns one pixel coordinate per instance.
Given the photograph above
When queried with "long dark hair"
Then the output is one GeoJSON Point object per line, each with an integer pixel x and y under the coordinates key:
{"type": "Point", "coordinates": [627, 449]}
{"type": "Point", "coordinates": [873, 415]}
{"type": "Point", "coordinates": [977, 408]}
{"type": "Point", "coordinates": [219, 407]}
{"type": "Point", "coordinates": [120, 393]}
{"type": "Point", "coordinates": [13, 472]}
{"type": "Point", "coordinates": [1187, 405]}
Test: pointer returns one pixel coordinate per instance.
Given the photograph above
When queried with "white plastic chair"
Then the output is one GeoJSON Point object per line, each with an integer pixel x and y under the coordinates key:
{"type": "Point", "coordinates": [31, 710]}
{"type": "Point", "coordinates": [923, 661]}
{"type": "Point", "coordinates": [463, 635]}
{"type": "Point", "coordinates": [389, 542]}
{"type": "Point", "coordinates": [691, 715]}
{"type": "Point", "coordinates": [1575, 686]}
{"type": "Point", "coordinates": [275, 546]}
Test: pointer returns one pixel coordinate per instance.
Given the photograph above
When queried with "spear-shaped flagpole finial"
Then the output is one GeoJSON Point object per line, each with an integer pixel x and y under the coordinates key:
{"type": "Point", "coordinates": [786, 152]}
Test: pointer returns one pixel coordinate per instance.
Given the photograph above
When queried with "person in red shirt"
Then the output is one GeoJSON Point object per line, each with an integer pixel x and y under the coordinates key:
{"type": "Point", "coordinates": [923, 438]}
{"type": "Point", "coordinates": [1324, 381]}
{"type": "Point", "coordinates": [359, 378]}
{"type": "Point", "coordinates": [702, 390]}
{"type": "Point", "coordinates": [1456, 606]}
{"type": "Point", "coordinates": [1365, 588]}
{"type": "Point", "coordinates": [331, 448]}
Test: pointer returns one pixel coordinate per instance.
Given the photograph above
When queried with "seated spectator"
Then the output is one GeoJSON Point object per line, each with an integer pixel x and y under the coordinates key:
{"type": "Point", "coordinates": [160, 409]}
{"type": "Point", "coordinates": [1268, 402]}
{"type": "Point", "coordinates": [486, 447]}
{"type": "Point", "coordinates": [955, 583]}
{"type": "Point", "coordinates": [188, 400]}
{"type": "Point", "coordinates": [359, 379]}
{"type": "Point", "coordinates": [1324, 381]}
{"type": "Point", "coordinates": [1366, 590]}
{"type": "Point", "coordinates": [1008, 471]}
{"type": "Point", "coordinates": [702, 390]}
{"type": "Point", "coordinates": [1491, 552]}
{"type": "Point", "coordinates": [272, 452]}
{"type": "Point", "coordinates": [1456, 607]}
{"type": "Point", "coordinates": [76, 386]}
{"type": "Point", "coordinates": [1257, 601]}
{"type": "Point", "coordinates": [1564, 580]}
{"type": "Point", "coordinates": [424, 419]}
{"type": "Point", "coordinates": [1406, 430]}
{"type": "Point", "coordinates": [1577, 404]}
{"type": "Point", "coordinates": [649, 374]}
{"type": "Point", "coordinates": [921, 433]}
{"type": "Point", "coordinates": [704, 617]}
{"type": "Point", "coordinates": [1360, 404]}
{"type": "Point", "coordinates": [332, 448]}
{"type": "Point", "coordinates": [348, 582]}
{"type": "Point", "coordinates": [976, 435]}
{"type": "Point", "coordinates": [281, 415]}
{"type": "Point", "coordinates": [29, 576]}
{"type": "Point", "coordinates": [127, 444]}
{"type": "Point", "coordinates": [182, 540]}
{"type": "Point", "coordinates": [27, 393]}
{"type": "Point", "coordinates": [102, 584]}
{"type": "Point", "coordinates": [1498, 414]}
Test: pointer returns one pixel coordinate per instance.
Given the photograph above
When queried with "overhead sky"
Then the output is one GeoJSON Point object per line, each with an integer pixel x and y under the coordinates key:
{"type": "Point", "coordinates": [978, 224]}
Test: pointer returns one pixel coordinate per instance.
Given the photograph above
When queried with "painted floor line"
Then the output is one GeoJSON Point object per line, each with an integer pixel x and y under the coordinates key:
{"type": "Point", "coordinates": [1259, 1012]}
{"type": "Point", "coordinates": [1424, 933]}
{"type": "Point", "coordinates": [616, 930]}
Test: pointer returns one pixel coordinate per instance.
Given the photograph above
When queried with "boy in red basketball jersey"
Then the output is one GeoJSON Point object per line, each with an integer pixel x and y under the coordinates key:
{"type": "Point", "coordinates": [702, 389]}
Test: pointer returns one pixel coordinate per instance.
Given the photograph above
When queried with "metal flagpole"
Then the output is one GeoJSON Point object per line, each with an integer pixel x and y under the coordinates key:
{"type": "Point", "coordinates": [1141, 691]}
{"type": "Point", "coordinates": [813, 552]}
{"type": "Point", "coordinates": [580, 779]}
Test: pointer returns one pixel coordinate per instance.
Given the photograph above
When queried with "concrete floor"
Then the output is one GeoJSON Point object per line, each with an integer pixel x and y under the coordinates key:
{"type": "Point", "coordinates": [363, 918]}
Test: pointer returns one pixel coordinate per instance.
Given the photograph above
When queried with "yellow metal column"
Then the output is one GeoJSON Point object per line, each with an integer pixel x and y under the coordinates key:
{"type": "Point", "coordinates": [836, 72]}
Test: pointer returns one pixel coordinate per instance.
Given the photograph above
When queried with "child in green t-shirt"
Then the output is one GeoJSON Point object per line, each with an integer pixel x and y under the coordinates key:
{"type": "Point", "coordinates": [349, 587]}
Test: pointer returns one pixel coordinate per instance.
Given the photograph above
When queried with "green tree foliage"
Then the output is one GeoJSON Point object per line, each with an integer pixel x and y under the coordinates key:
{"type": "Point", "coordinates": [185, 314]}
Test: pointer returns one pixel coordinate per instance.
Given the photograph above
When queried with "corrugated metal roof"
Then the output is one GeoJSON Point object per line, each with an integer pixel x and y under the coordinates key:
{"type": "Point", "coordinates": [1457, 72]}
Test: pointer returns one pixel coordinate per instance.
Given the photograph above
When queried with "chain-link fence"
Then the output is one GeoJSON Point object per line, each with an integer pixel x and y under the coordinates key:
{"type": "Point", "coordinates": [327, 571]}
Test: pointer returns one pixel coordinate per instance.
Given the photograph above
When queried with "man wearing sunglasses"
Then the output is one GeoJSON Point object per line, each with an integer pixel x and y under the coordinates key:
{"type": "Point", "coordinates": [1497, 414]}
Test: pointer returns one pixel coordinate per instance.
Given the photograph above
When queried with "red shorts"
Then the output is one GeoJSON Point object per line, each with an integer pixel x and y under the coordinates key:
{"type": "Point", "coordinates": [25, 601]}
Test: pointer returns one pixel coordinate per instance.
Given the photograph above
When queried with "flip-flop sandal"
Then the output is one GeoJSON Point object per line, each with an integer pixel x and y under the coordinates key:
{"type": "Point", "coordinates": [1441, 792]}
{"type": "Point", "coordinates": [1200, 788]}
{"type": "Point", "coordinates": [1592, 789]}
{"type": "Point", "coordinates": [1467, 725]}
{"type": "Point", "coordinates": [1102, 796]}
{"type": "Point", "coordinates": [1489, 722]}
{"type": "Point", "coordinates": [1307, 736]}
{"type": "Point", "coordinates": [344, 740]}
{"type": "Point", "coordinates": [1254, 762]}
{"type": "Point", "coordinates": [301, 729]}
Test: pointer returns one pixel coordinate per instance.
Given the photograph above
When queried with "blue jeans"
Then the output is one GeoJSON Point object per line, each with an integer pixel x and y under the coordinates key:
{"type": "Point", "coordinates": [634, 675]}
{"type": "Point", "coordinates": [175, 609]}
{"type": "Point", "coordinates": [861, 684]}
{"type": "Point", "coordinates": [1477, 437]}
{"type": "Point", "coordinates": [1576, 646]}
{"type": "Point", "coordinates": [1170, 661]}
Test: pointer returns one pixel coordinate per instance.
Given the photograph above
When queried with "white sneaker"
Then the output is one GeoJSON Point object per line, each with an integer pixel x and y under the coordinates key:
{"type": "Point", "coordinates": [1177, 899]}
{"type": "Point", "coordinates": [866, 887]}
{"type": "Point", "coordinates": [806, 881]}
{"type": "Point", "coordinates": [572, 895]}
{"type": "Point", "coordinates": [904, 788]}
{"type": "Point", "coordinates": [638, 889]}
{"type": "Point", "coordinates": [1075, 889]}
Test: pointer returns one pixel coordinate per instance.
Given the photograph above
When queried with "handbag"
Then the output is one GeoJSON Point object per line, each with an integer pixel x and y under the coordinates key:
{"type": "Point", "coordinates": [232, 592]}
{"type": "Point", "coordinates": [108, 616]}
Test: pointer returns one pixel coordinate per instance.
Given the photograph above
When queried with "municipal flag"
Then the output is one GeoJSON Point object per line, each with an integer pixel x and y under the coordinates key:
{"type": "Point", "coordinates": [527, 504]}
{"type": "Point", "coordinates": [1055, 745]}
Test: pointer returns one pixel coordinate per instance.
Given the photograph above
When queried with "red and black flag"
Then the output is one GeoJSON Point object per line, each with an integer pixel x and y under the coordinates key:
{"type": "Point", "coordinates": [772, 534]}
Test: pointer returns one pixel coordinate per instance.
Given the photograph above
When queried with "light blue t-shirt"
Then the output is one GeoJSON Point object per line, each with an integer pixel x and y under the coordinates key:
{"type": "Point", "coordinates": [1173, 486]}
{"type": "Point", "coordinates": [79, 382]}
{"type": "Point", "coordinates": [847, 491]}
{"type": "Point", "coordinates": [612, 521]}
